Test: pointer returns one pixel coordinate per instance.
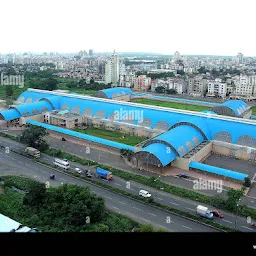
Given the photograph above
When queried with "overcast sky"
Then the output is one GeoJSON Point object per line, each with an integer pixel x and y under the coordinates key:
{"type": "Point", "coordinates": [218, 27]}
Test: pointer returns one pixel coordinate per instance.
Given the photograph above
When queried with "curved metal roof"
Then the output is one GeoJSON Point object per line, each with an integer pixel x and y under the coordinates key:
{"type": "Point", "coordinates": [54, 101]}
{"type": "Point", "coordinates": [231, 108]}
{"type": "Point", "coordinates": [33, 106]}
{"type": "Point", "coordinates": [179, 137]}
{"type": "Point", "coordinates": [117, 91]}
{"type": "Point", "coordinates": [82, 136]}
{"type": "Point", "coordinates": [9, 114]}
{"type": "Point", "coordinates": [161, 151]}
{"type": "Point", "coordinates": [33, 95]}
{"type": "Point", "coordinates": [218, 170]}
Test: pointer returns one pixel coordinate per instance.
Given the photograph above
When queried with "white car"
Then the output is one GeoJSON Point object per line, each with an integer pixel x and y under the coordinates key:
{"type": "Point", "coordinates": [144, 193]}
{"type": "Point", "coordinates": [78, 170]}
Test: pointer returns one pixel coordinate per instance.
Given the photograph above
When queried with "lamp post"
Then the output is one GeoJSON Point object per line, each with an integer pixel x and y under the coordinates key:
{"type": "Point", "coordinates": [237, 211]}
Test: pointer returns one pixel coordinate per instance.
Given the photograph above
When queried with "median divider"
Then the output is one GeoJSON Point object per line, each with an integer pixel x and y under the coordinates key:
{"type": "Point", "coordinates": [154, 204]}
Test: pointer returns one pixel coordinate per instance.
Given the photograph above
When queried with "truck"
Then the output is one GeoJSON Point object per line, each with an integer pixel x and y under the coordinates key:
{"type": "Point", "coordinates": [33, 152]}
{"type": "Point", "coordinates": [61, 163]}
{"type": "Point", "coordinates": [104, 174]}
{"type": "Point", "coordinates": [204, 212]}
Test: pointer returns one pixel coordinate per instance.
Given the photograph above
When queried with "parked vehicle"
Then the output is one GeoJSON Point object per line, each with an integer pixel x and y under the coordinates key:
{"type": "Point", "coordinates": [61, 163]}
{"type": "Point", "coordinates": [104, 174]}
{"type": "Point", "coordinates": [253, 224]}
{"type": "Point", "coordinates": [144, 193]}
{"type": "Point", "coordinates": [78, 170]}
{"type": "Point", "coordinates": [204, 212]}
{"type": "Point", "coordinates": [183, 175]}
{"type": "Point", "coordinates": [33, 152]}
{"type": "Point", "coordinates": [216, 213]}
{"type": "Point", "coordinates": [63, 139]}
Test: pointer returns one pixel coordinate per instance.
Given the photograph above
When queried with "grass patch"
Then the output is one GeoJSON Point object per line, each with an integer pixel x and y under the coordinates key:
{"type": "Point", "coordinates": [166, 104]}
{"type": "Point", "coordinates": [253, 110]}
{"type": "Point", "coordinates": [16, 91]}
{"type": "Point", "coordinates": [112, 135]}
{"type": "Point", "coordinates": [79, 91]}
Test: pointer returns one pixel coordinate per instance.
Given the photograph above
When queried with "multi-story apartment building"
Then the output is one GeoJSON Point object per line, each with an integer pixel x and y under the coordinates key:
{"type": "Point", "coordinates": [127, 79]}
{"type": "Point", "coordinates": [197, 86]}
{"type": "Point", "coordinates": [245, 85]}
{"type": "Point", "coordinates": [142, 82]}
{"type": "Point", "coordinates": [112, 68]}
{"type": "Point", "coordinates": [217, 88]}
{"type": "Point", "coordinates": [172, 83]}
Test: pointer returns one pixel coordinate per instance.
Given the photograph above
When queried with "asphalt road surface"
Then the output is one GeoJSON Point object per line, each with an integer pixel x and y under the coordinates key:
{"type": "Point", "coordinates": [159, 196]}
{"type": "Point", "coordinates": [14, 164]}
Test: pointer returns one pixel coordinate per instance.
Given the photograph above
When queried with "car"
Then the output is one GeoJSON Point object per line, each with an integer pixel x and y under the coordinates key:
{"type": "Point", "coordinates": [144, 193]}
{"type": "Point", "coordinates": [78, 170]}
{"type": "Point", "coordinates": [183, 175]}
{"type": "Point", "coordinates": [216, 213]}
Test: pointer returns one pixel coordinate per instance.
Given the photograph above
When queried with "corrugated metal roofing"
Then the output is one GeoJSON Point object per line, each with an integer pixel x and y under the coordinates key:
{"type": "Point", "coordinates": [10, 114]}
{"type": "Point", "coordinates": [113, 92]}
{"type": "Point", "coordinates": [238, 106]}
{"type": "Point", "coordinates": [218, 170]}
{"type": "Point", "coordinates": [82, 136]}
{"type": "Point", "coordinates": [161, 151]}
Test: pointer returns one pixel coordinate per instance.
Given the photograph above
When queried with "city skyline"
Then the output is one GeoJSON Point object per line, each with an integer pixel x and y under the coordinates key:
{"type": "Point", "coordinates": [192, 28]}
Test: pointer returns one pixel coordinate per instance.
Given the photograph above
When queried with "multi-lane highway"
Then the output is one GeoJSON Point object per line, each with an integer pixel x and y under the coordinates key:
{"type": "Point", "coordinates": [162, 197]}
{"type": "Point", "coordinates": [14, 164]}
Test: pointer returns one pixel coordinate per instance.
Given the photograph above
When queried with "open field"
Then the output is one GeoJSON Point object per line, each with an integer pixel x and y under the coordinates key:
{"type": "Point", "coordinates": [114, 136]}
{"type": "Point", "coordinates": [171, 104]}
{"type": "Point", "coordinates": [80, 91]}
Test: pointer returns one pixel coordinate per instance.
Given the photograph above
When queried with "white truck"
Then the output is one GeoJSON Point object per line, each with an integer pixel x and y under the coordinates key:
{"type": "Point", "coordinates": [61, 163]}
{"type": "Point", "coordinates": [33, 152]}
{"type": "Point", "coordinates": [204, 212]}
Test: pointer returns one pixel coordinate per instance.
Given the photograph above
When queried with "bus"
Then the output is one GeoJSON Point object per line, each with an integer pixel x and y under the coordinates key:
{"type": "Point", "coordinates": [61, 163]}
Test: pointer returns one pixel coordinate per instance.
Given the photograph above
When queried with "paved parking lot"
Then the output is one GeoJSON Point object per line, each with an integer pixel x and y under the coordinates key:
{"type": "Point", "coordinates": [233, 164]}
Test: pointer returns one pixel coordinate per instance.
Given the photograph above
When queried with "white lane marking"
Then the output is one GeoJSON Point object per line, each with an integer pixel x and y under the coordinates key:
{"type": "Point", "coordinates": [191, 209]}
{"type": "Point", "coordinates": [62, 179]}
{"type": "Point", "coordinates": [159, 198]}
{"type": "Point", "coordinates": [173, 203]}
{"type": "Point", "coordinates": [27, 165]}
{"type": "Point", "coordinates": [117, 184]}
{"type": "Point", "coordinates": [131, 189]}
{"type": "Point", "coordinates": [13, 159]}
{"type": "Point", "coordinates": [20, 162]}
{"type": "Point", "coordinates": [186, 227]}
{"type": "Point", "coordinates": [73, 183]}
{"type": "Point", "coordinates": [45, 172]}
{"type": "Point", "coordinates": [152, 214]}
{"type": "Point", "coordinates": [247, 228]}
{"type": "Point", "coordinates": [121, 202]}
{"type": "Point", "coordinates": [227, 221]}
{"type": "Point", "coordinates": [137, 209]}
{"type": "Point", "coordinates": [115, 207]}
{"type": "Point", "coordinates": [108, 197]}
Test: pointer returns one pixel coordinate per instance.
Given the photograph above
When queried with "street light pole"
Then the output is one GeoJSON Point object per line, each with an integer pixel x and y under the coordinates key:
{"type": "Point", "coordinates": [237, 211]}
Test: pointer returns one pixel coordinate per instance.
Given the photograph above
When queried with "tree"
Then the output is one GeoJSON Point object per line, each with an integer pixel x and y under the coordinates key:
{"type": "Point", "coordinates": [50, 84]}
{"type": "Point", "coordinates": [146, 228]}
{"type": "Point", "coordinates": [160, 89]}
{"type": "Point", "coordinates": [35, 195]}
{"type": "Point", "coordinates": [171, 91]}
{"type": "Point", "coordinates": [8, 91]}
{"type": "Point", "coordinates": [181, 72]}
{"type": "Point", "coordinates": [233, 197]}
{"type": "Point", "coordinates": [247, 182]}
{"type": "Point", "coordinates": [33, 137]}
{"type": "Point", "coordinates": [127, 153]}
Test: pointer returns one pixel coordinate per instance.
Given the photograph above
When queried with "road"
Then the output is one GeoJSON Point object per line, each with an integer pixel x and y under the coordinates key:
{"type": "Point", "coordinates": [159, 196]}
{"type": "Point", "coordinates": [115, 161]}
{"type": "Point", "coordinates": [14, 164]}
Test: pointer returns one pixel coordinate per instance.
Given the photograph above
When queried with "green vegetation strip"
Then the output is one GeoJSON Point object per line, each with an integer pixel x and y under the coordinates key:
{"type": "Point", "coordinates": [168, 104]}
{"type": "Point", "coordinates": [112, 135]}
{"type": "Point", "coordinates": [148, 201]}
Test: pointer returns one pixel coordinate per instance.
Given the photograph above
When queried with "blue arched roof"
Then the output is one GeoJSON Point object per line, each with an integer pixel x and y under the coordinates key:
{"type": "Point", "coordinates": [34, 95]}
{"type": "Point", "coordinates": [238, 106]}
{"type": "Point", "coordinates": [218, 170]}
{"type": "Point", "coordinates": [82, 136]}
{"type": "Point", "coordinates": [111, 92]}
{"type": "Point", "coordinates": [54, 100]}
{"type": "Point", "coordinates": [10, 114]}
{"type": "Point", "coordinates": [31, 106]}
{"type": "Point", "coordinates": [178, 136]}
{"type": "Point", "coordinates": [161, 151]}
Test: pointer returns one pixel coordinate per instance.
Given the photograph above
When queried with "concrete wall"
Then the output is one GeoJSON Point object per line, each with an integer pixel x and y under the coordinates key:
{"type": "Point", "coordinates": [242, 155]}
{"type": "Point", "coordinates": [201, 154]}
{"type": "Point", "coordinates": [39, 118]}
{"type": "Point", "coordinates": [222, 150]}
{"type": "Point", "coordinates": [181, 163]}
{"type": "Point", "coordinates": [123, 98]}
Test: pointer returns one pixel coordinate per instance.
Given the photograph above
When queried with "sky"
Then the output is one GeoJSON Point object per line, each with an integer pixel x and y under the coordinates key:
{"type": "Point", "coordinates": [197, 27]}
